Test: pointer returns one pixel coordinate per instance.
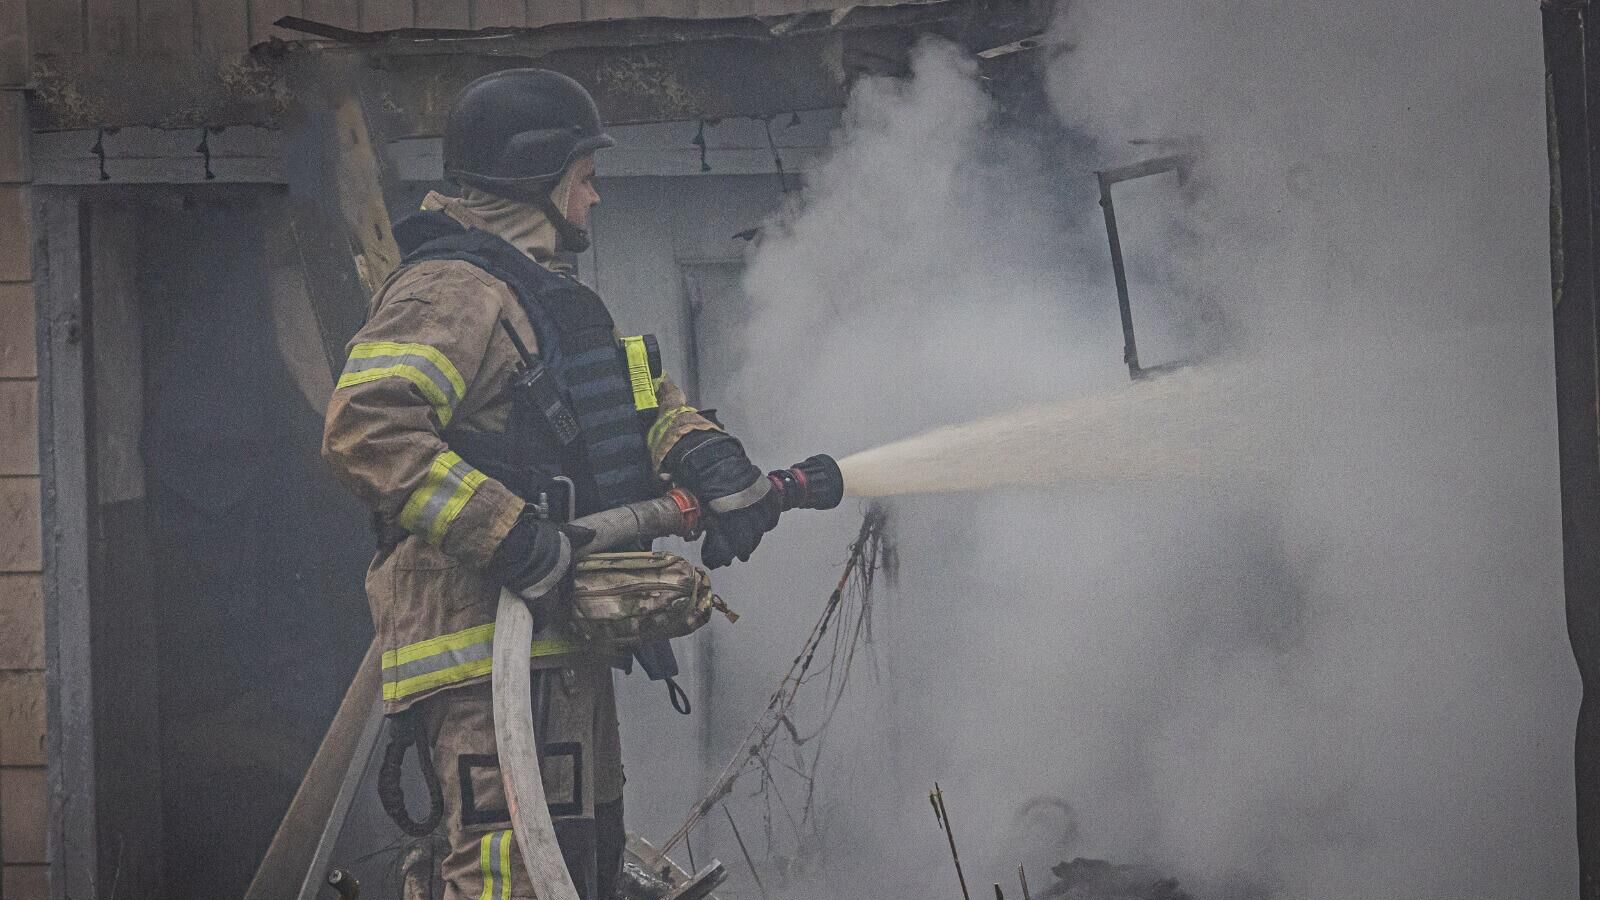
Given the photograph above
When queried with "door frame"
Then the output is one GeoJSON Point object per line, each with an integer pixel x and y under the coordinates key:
{"type": "Point", "coordinates": [66, 484]}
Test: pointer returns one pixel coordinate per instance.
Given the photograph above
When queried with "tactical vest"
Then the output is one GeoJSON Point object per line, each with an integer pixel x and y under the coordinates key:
{"type": "Point", "coordinates": [582, 407]}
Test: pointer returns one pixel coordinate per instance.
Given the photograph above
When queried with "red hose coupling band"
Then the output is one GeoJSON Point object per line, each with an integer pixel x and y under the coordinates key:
{"type": "Point", "coordinates": [689, 507]}
{"type": "Point", "coordinates": [800, 479]}
{"type": "Point", "coordinates": [791, 485]}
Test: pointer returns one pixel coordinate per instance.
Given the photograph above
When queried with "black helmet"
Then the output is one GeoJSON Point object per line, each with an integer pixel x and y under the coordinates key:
{"type": "Point", "coordinates": [513, 133]}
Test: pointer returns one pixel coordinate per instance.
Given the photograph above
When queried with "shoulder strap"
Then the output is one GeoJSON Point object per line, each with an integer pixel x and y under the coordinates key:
{"type": "Point", "coordinates": [433, 235]}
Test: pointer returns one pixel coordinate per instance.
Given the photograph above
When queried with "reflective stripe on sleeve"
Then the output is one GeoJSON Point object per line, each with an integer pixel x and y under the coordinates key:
{"type": "Point", "coordinates": [425, 367]}
{"type": "Point", "coordinates": [447, 487]}
{"type": "Point", "coordinates": [658, 431]}
{"type": "Point", "coordinates": [639, 379]}
{"type": "Point", "coordinates": [452, 658]}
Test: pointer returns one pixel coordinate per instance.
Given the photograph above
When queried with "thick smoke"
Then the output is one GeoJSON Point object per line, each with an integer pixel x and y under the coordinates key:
{"type": "Point", "coordinates": [1350, 680]}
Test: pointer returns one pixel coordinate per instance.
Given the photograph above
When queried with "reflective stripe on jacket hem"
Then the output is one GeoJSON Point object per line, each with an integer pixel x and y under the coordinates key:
{"type": "Point", "coordinates": [452, 658]}
{"type": "Point", "coordinates": [495, 865]}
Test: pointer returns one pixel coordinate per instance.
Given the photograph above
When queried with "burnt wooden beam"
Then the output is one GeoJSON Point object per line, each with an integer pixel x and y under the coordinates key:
{"type": "Point", "coordinates": [640, 70]}
{"type": "Point", "coordinates": [286, 866]}
{"type": "Point", "coordinates": [671, 82]}
{"type": "Point", "coordinates": [82, 90]}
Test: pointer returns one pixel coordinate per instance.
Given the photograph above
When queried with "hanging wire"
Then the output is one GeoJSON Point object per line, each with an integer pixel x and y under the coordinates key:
{"type": "Point", "coordinates": [99, 150]}
{"type": "Point", "coordinates": [700, 141]}
{"type": "Point", "coordinates": [746, 851]}
{"type": "Point", "coordinates": [594, 253]}
{"type": "Point", "coordinates": [204, 149]}
{"type": "Point", "coordinates": [777, 157]}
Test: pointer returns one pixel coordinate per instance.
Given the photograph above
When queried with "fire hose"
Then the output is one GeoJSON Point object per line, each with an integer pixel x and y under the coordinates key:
{"type": "Point", "coordinates": [813, 484]}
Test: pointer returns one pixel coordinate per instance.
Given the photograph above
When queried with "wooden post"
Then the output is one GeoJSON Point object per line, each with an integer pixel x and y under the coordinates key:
{"type": "Point", "coordinates": [64, 466]}
{"type": "Point", "coordinates": [284, 867]}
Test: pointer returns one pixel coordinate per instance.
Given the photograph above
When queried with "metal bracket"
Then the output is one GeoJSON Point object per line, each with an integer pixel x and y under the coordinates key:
{"type": "Point", "coordinates": [1179, 163]}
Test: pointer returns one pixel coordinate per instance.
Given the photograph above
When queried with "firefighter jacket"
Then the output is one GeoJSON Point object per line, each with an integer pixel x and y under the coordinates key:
{"type": "Point", "coordinates": [429, 373]}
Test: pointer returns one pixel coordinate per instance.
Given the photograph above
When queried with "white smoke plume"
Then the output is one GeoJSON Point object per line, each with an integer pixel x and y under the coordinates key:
{"type": "Point", "coordinates": [1348, 680]}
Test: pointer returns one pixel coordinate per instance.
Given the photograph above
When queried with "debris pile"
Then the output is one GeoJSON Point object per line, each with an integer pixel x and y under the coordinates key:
{"type": "Point", "coordinates": [639, 883]}
{"type": "Point", "coordinates": [1097, 879]}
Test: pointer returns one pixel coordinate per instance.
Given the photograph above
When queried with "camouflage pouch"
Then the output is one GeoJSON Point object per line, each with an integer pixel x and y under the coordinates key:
{"type": "Point", "coordinates": [630, 598]}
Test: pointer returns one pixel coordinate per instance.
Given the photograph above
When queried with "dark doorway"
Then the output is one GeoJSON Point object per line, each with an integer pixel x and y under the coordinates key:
{"type": "Point", "coordinates": [226, 596]}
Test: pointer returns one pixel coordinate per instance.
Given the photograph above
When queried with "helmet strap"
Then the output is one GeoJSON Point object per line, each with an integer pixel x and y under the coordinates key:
{"type": "Point", "coordinates": [570, 237]}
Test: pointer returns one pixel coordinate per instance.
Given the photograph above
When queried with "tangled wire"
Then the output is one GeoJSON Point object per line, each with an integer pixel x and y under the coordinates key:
{"type": "Point", "coordinates": [845, 624]}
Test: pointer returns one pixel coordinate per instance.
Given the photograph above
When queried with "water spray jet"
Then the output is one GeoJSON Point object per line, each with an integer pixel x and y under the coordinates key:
{"type": "Point", "coordinates": [1191, 423]}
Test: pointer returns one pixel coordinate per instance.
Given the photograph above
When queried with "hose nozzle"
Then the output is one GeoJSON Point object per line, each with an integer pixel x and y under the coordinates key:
{"type": "Point", "coordinates": [813, 484]}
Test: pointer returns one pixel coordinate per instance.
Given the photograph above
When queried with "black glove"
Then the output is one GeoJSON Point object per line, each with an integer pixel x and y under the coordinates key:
{"type": "Point", "coordinates": [742, 504]}
{"type": "Point", "coordinates": [536, 558]}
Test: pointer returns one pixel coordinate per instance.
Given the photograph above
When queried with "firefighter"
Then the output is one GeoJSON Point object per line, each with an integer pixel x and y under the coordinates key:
{"type": "Point", "coordinates": [486, 399]}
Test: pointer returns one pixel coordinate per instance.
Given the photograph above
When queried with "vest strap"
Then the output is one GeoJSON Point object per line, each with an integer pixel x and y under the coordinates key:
{"type": "Point", "coordinates": [640, 377]}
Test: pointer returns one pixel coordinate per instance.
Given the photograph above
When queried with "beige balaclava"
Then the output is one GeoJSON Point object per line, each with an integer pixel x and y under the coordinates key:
{"type": "Point", "coordinates": [522, 225]}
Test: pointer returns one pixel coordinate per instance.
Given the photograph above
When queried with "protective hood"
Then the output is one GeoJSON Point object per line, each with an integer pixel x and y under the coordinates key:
{"type": "Point", "coordinates": [522, 225]}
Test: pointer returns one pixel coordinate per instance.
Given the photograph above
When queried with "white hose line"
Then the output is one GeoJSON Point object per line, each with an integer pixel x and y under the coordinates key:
{"type": "Point", "coordinates": [512, 684]}
{"type": "Point", "coordinates": [512, 681]}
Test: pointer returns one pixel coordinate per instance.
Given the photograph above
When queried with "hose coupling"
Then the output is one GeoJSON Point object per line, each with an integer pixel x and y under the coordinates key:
{"type": "Point", "coordinates": [815, 483]}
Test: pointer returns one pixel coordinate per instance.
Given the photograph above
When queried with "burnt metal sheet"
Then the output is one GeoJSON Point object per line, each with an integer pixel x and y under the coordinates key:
{"type": "Point", "coordinates": [1573, 83]}
{"type": "Point", "coordinates": [1179, 164]}
{"type": "Point", "coordinates": [641, 70]}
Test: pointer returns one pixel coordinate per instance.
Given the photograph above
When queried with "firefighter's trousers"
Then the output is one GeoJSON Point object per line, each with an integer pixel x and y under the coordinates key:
{"type": "Point", "coordinates": [582, 778]}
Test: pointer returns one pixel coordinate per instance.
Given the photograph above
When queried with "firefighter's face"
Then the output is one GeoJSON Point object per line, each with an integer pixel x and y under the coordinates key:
{"type": "Point", "coordinates": [582, 194]}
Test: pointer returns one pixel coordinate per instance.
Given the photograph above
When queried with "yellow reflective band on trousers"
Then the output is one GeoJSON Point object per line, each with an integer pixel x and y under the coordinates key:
{"type": "Point", "coordinates": [644, 386]}
{"type": "Point", "coordinates": [429, 370]}
{"type": "Point", "coordinates": [664, 421]}
{"type": "Point", "coordinates": [453, 658]}
{"type": "Point", "coordinates": [447, 487]}
{"type": "Point", "coordinates": [494, 860]}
